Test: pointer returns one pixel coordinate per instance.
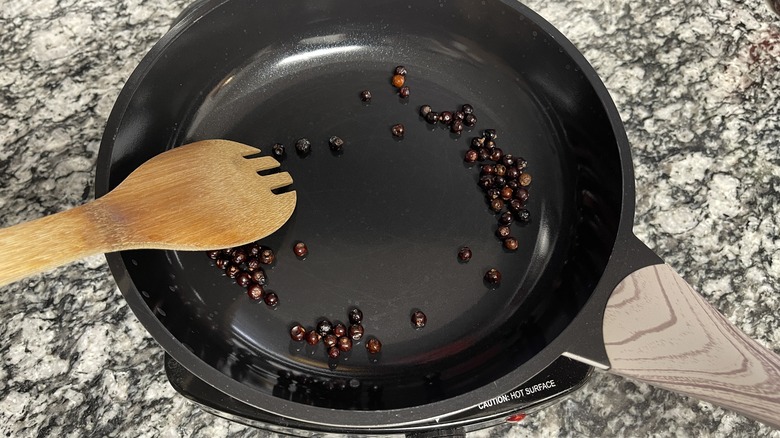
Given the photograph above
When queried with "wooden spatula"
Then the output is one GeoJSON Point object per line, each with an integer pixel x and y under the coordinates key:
{"type": "Point", "coordinates": [202, 196]}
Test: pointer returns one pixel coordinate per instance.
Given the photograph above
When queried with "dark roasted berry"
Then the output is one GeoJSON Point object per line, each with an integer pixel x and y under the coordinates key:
{"type": "Point", "coordinates": [513, 184]}
{"type": "Point", "coordinates": [404, 91]}
{"type": "Point", "coordinates": [222, 263]}
{"type": "Point", "coordinates": [259, 277]}
{"type": "Point", "coordinates": [333, 352]}
{"type": "Point", "coordinates": [356, 332]}
{"type": "Point", "coordinates": [400, 70]}
{"type": "Point", "coordinates": [365, 96]}
{"type": "Point", "coordinates": [497, 205]}
{"type": "Point", "coordinates": [522, 194]}
{"type": "Point", "coordinates": [397, 130]}
{"type": "Point", "coordinates": [300, 250]}
{"type": "Point", "coordinates": [471, 156]}
{"type": "Point", "coordinates": [492, 276]}
{"type": "Point", "coordinates": [464, 254]}
{"type": "Point", "coordinates": [487, 169]}
{"type": "Point", "coordinates": [303, 146]}
{"type": "Point", "coordinates": [232, 270]}
{"type": "Point", "coordinates": [524, 179]}
{"type": "Point", "coordinates": [512, 172]}
{"type": "Point", "coordinates": [445, 117]}
{"type": "Point", "coordinates": [456, 127]}
{"type": "Point", "coordinates": [477, 142]}
{"type": "Point", "coordinates": [496, 154]}
{"type": "Point", "coordinates": [253, 264]}
{"type": "Point", "coordinates": [499, 181]}
{"type": "Point", "coordinates": [508, 160]}
{"type": "Point", "coordinates": [506, 193]}
{"type": "Point", "coordinates": [340, 330]}
{"type": "Point", "coordinates": [313, 337]}
{"type": "Point", "coordinates": [521, 163]}
{"type": "Point", "coordinates": [419, 319]}
{"type": "Point", "coordinates": [271, 299]}
{"type": "Point", "coordinates": [336, 144]}
{"type": "Point", "coordinates": [470, 120]}
{"type": "Point", "coordinates": [524, 216]}
{"type": "Point", "coordinates": [345, 343]}
{"type": "Point", "coordinates": [324, 327]}
{"type": "Point", "coordinates": [266, 256]}
{"type": "Point", "coordinates": [373, 346]}
{"type": "Point", "coordinates": [493, 193]}
{"type": "Point", "coordinates": [330, 340]}
{"type": "Point", "coordinates": [253, 249]}
{"type": "Point", "coordinates": [503, 231]}
{"type": "Point", "coordinates": [486, 181]}
{"type": "Point", "coordinates": [278, 150]}
{"type": "Point", "coordinates": [398, 81]}
{"type": "Point", "coordinates": [432, 117]}
{"type": "Point", "coordinates": [239, 256]}
{"type": "Point", "coordinates": [355, 316]}
{"type": "Point", "coordinates": [424, 110]}
{"type": "Point", "coordinates": [515, 205]}
{"type": "Point", "coordinates": [255, 291]}
{"type": "Point", "coordinates": [500, 169]}
{"type": "Point", "coordinates": [297, 333]}
{"type": "Point", "coordinates": [243, 279]}
{"type": "Point", "coordinates": [506, 218]}
{"type": "Point", "coordinates": [490, 134]}
{"type": "Point", "coordinates": [458, 115]}
{"type": "Point", "coordinates": [213, 255]}
{"type": "Point", "coordinates": [484, 154]}
{"type": "Point", "coordinates": [467, 109]}
{"type": "Point", "coordinates": [510, 243]}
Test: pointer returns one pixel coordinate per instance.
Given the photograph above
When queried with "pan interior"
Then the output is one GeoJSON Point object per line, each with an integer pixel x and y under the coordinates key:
{"type": "Point", "coordinates": [383, 220]}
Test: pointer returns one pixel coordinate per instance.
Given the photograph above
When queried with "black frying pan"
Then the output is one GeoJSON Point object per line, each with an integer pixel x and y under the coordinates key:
{"type": "Point", "coordinates": [384, 220]}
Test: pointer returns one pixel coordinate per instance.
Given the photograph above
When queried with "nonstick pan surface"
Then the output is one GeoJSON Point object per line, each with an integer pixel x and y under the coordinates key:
{"type": "Point", "coordinates": [383, 220]}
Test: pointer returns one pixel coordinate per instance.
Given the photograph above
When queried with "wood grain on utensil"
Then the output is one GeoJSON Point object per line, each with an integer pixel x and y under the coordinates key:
{"type": "Point", "coordinates": [657, 329]}
{"type": "Point", "coordinates": [200, 196]}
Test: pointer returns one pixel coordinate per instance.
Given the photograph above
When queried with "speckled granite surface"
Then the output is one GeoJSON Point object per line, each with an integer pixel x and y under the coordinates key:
{"type": "Point", "coordinates": [697, 84]}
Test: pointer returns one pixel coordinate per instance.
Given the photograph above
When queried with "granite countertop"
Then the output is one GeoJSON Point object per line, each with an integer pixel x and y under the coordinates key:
{"type": "Point", "coordinates": [697, 84]}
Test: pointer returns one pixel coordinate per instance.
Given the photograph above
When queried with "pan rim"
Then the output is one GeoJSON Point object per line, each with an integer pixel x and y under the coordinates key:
{"type": "Point", "coordinates": [370, 419]}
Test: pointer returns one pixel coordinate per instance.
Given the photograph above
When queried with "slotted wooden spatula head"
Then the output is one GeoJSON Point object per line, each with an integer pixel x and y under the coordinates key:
{"type": "Point", "coordinates": [204, 195]}
{"type": "Point", "coordinates": [201, 196]}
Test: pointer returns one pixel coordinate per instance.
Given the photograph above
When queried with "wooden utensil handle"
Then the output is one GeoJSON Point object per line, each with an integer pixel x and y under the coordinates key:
{"type": "Point", "coordinates": [45, 243]}
{"type": "Point", "coordinates": [657, 329]}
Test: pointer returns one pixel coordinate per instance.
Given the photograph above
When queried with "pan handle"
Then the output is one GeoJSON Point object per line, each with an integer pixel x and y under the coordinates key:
{"type": "Point", "coordinates": [658, 330]}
